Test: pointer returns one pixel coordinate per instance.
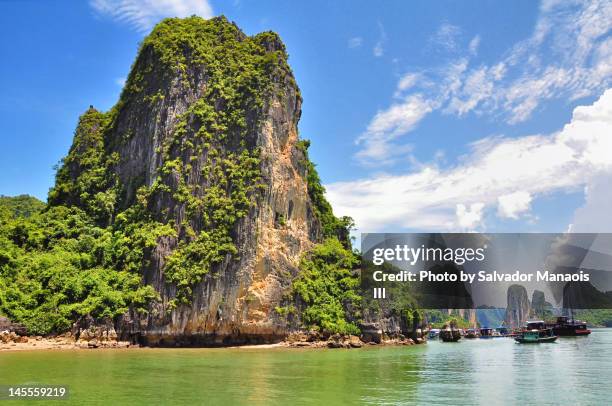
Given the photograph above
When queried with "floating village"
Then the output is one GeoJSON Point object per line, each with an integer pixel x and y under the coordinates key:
{"type": "Point", "coordinates": [533, 332]}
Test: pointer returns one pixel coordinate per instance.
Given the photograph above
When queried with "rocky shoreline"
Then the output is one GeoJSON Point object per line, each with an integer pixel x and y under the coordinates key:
{"type": "Point", "coordinates": [10, 341]}
{"type": "Point", "coordinates": [89, 334]}
{"type": "Point", "coordinates": [316, 340]}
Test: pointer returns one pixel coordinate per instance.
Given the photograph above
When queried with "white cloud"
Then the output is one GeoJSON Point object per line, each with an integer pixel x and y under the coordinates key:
{"type": "Point", "coordinates": [402, 117]}
{"type": "Point", "coordinates": [475, 88]}
{"type": "Point", "coordinates": [355, 42]}
{"type": "Point", "coordinates": [496, 168]}
{"type": "Point", "coordinates": [407, 81]}
{"type": "Point", "coordinates": [379, 49]}
{"type": "Point", "coordinates": [387, 125]}
{"type": "Point", "coordinates": [446, 37]}
{"type": "Point", "coordinates": [469, 218]}
{"type": "Point", "coordinates": [120, 81]}
{"type": "Point", "coordinates": [474, 44]}
{"type": "Point", "coordinates": [594, 216]}
{"type": "Point", "coordinates": [574, 38]}
{"type": "Point", "coordinates": [513, 205]}
{"type": "Point", "coordinates": [523, 96]}
{"type": "Point", "coordinates": [144, 14]}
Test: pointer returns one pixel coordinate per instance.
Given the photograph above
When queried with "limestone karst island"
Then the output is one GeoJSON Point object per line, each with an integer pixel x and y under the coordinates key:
{"type": "Point", "coordinates": [305, 203]}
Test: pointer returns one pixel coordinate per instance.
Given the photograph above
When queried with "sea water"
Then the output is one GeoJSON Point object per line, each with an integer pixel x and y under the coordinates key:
{"type": "Point", "coordinates": [495, 371]}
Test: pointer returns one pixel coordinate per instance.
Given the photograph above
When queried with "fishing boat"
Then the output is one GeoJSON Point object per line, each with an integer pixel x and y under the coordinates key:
{"type": "Point", "coordinates": [535, 325]}
{"type": "Point", "coordinates": [536, 336]}
{"type": "Point", "coordinates": [472, 333]}
{"type": "Point", "coordinates": [434, 333]}
{"type": "Point", "coordinates": [569, 328]}
{"type": "Point", "coordinates": [449, 335]}
{"type": "Point", "coordinates": [486, 332]}
{"type": "Point", "coordinates": [504, 331]}
{"type": "Point", "coordinates": [515, 332]}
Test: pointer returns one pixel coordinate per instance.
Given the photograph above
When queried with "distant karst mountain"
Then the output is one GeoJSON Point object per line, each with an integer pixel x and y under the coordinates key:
{"type": "Point", "coordinates": [518, 308]}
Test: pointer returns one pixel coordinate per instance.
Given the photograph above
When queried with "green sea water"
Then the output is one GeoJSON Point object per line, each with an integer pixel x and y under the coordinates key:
{"type": "Point", "coordinates": [575, 371]}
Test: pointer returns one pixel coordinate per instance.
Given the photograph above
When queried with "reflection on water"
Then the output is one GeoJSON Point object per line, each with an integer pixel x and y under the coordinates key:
{"type": "Point", "coordinates": [495, 371]}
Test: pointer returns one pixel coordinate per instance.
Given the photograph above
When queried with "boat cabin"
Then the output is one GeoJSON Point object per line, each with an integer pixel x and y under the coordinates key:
{"type": "Point", "coordinates": [504, 331]}
{"type": "Point", "coordinates": [434, 332]}
{"type": "Point", "coordinates": [533, 335]}
{"type": "Point", "coordinates": [536, 325]}
{"type": "Point", "coordinates": [565, 321]}
{"type": "Point", "coordinates": [486, 332]}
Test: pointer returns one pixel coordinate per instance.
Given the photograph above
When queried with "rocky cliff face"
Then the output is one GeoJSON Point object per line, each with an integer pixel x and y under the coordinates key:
{"type": "Point", "coordinates": [540, 308]}
{"type": "Point", "coordinates": [518, 307]}
{"type": "Point", "coordinates": [202, 151]}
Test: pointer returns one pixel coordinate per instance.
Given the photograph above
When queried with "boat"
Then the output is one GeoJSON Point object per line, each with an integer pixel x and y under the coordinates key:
{"type": "Point", "coordinates": [535, 325]}
{"type": "Point", "coordinates": [565, 327]}
{"type": "Point", "coordinates": [434, 333]}
{"type": "Point", "coordinates": [486, 332]}
{"type": "Point", "coordinates": [504, 331]}
{"type": "Point", "coordinates": [449, 335]}
{"type": "Point", "coordinates": [472, 333]}
{"type": "Point", "coordinates": [515, 332]}
{"type": "Point", "coordinates": [536, 336]}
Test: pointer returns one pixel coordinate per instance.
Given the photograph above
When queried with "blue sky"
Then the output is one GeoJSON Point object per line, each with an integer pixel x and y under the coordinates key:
{"type": "Point", "coordinates": [423, 115]}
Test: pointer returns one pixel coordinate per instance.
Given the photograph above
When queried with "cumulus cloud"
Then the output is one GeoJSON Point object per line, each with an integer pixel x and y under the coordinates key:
{"type": "Point", "coordinates": [513, 205]}
{"type": "Point", "coordinates": [498, 172]}
{"type": "Point", "coordinates": [144, 14]}
{"type": "Point", "coordinates": [469, 218]}
{"type": "Point", "coordinates": [574, 38]}
{"type": "Point", "coordinates": [594, 216]}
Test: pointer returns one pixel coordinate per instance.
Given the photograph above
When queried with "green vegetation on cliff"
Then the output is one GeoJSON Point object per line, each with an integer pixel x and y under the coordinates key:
{"type": "Point", "coordinates": [212, 141]}
{"type": "Point", "coordinates": [19, 206]}
{"type": "Point", "coordinates": [439, 319]}
{"type": "Point", "coordinates": [57, 265]}
{"type": "Point", "coordinates": [84, 178]}
{"type": "Point", "coordinates": [85, 252]}
{"type": "Point", "coordinates": [338, 227]}
{"type": "Point", "coordinates": [401, 303]}
{"type": "Point", "coordinates": [327, 288]}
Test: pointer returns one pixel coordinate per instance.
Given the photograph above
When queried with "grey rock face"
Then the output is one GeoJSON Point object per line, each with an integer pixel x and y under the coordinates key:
{"type": "Point", "coordinates": [540, 308]}
{"type": "Point", "coordinates": [235, 303]}
{"type": "Point", "coordinates": [518, 308]}
{"type": "Point", "coordinates": [8, 326]}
